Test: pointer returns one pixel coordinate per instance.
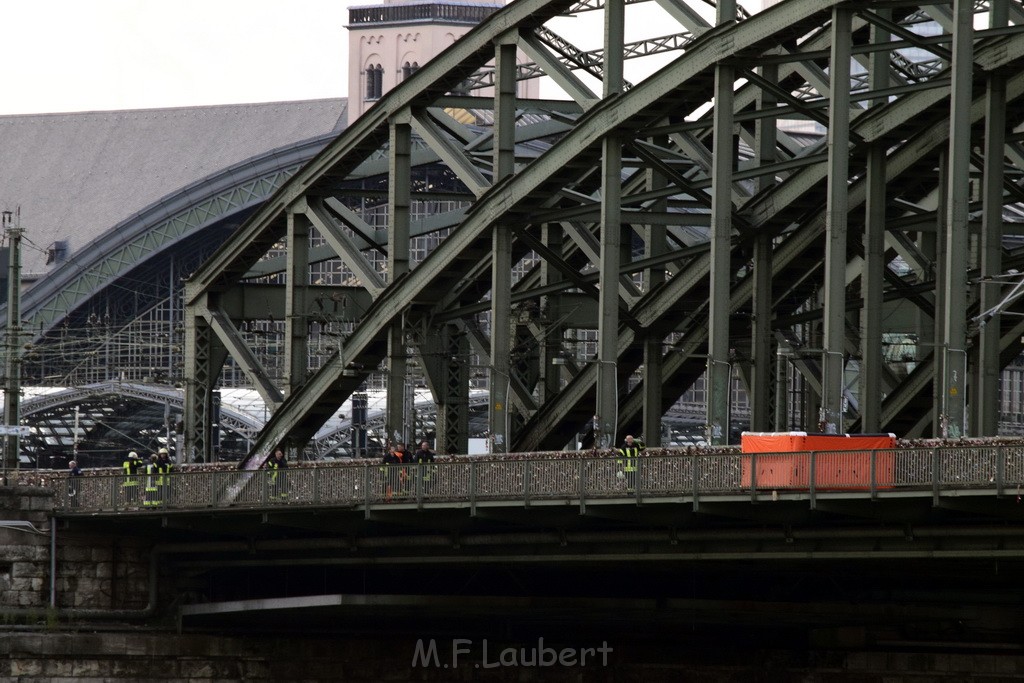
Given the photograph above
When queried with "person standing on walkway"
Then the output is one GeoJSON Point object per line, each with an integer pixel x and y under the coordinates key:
{"type": "Point", "coordinates": [153, 478]}
{"type": "Point", "coordinates": [74, 482]}
{"type": "Point", "coordinates": [404, 459]}
{"type": "Point", "coordinates": [627, 460]}
{"type": "Point", "coordinates": [424, 460]}
{"type": "Point", "coordinates": [132, 466]}
{"type": "Point", "coordinates": [423, 454]}
{"type": "Point", "coordinates": [278, 484]}
{"type": "Point", "coordinates": [389, 472]}
{"type": "Point", "coordinates": [164, 465]}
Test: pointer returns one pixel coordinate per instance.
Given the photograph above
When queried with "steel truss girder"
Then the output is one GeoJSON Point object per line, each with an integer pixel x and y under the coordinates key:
{"type": "Point", "coordinates": [553, 414]}
{"type": "Point", "coordinates": [513, 199]}
{"type": "Point", "coordinates": [469, 236]}
{"type": "Point", "coordinates": [232, 340]}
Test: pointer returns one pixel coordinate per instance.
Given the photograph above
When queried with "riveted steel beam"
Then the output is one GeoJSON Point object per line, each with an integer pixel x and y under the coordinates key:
{"type": "Point", "coordinates": [345, 247]}
{"type": "Point", "coordinates": [451, 154]}
{"type": "Point", "coordinates": [954, 338]}
{"type": "Point", "coordinates": [872, 273]}
{"type": "Point", "coordinates": [986, 401]}
{"type": "Point", "coordinates": [833, 360]}
{"type": "Point", "coordinates": [396, 418]}
{"type": "Point", "coordinates": [567, 171]}
{"type": "Point", "coordinates": [232, 340]}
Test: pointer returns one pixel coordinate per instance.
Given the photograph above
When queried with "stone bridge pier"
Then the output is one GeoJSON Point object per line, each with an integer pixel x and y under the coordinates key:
{"type": "Point", "coordinates": [110, 602]}
{"type": "Point", "coordinates": [65, 576]}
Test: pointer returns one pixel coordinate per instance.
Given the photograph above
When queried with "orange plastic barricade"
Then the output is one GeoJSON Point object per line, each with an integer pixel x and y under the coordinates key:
{"type": "Point", "coordinates": [842, 461]}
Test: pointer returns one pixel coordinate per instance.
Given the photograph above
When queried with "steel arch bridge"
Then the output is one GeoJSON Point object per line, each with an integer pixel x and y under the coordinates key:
{"type": "Point", "coordinates": [78, 320]}
{"type": "Point", "coordinates": [805, 183]}
{"type": "Point", "coordinates": [112, 418]}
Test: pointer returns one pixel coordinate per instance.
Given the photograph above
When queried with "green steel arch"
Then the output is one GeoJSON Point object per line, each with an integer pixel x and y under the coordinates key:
{"type": "Point", "coordinates": [154, 231]}
{"type": "Point", "coordinates": [788, 187]}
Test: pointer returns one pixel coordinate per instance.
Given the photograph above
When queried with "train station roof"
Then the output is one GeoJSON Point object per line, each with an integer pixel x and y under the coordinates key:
{"type": "Point", "coordinates": [76, 176]}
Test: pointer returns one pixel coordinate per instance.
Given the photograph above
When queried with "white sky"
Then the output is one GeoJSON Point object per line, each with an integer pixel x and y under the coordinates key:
{"type": "Point", "coordinates": [83, 55]}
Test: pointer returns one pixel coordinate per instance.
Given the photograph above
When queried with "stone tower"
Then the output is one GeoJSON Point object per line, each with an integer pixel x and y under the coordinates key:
{"type": "Point", "coordinates": [390, 41]}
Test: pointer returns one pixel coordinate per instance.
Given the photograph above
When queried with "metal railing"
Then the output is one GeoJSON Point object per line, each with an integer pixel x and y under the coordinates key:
{"type": "Point", "coordinates": [476, 481]}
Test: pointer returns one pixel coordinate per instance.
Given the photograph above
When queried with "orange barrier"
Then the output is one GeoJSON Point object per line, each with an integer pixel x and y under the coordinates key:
{"type": "Point", "coordinates": [841, 461]}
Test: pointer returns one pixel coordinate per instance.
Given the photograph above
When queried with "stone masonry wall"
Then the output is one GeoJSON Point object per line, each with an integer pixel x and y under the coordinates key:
{"type": "Point", "coordinates": [133, 656]}
{"type": "Point", "coordinates": [101, 572]}
{"type": "Point", "coordinates": [25, 550]}
{"type": "Point", "coordinates": [129, 657]}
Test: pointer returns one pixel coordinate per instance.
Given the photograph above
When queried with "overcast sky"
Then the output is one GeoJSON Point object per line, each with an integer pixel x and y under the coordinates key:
{"type": "Point", "coordinates": [83, 55]}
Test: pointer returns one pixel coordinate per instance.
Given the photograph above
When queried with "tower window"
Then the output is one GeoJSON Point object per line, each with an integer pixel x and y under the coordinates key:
{"type": "Point", "coordinates": [374, 82]}
{"type": "Point", "coordinates": [409, 69]}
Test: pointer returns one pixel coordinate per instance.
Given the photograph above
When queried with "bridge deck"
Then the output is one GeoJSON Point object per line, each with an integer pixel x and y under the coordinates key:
{"type": "Point", "coordinates": [986, 472]}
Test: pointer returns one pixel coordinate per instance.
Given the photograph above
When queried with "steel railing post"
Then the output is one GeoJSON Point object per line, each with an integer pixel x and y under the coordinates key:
{"type": "Point", "coordinates": [583, 485]}
{"type": "Point", "coordinates": [366, 491]}
{"type": "Point", "coordinates": [936, 469]}
{"type": "Point", "coordinates": [695, 476]}
{"type": "Point", "coordinates": [637, 480]}
{"type": "Point", "coordinates": [419, 484]}
{"type": "Point", "coordinates": [874, 473]}
{"type": "Point", "coordinates": [1000, 470]}
{"type": "Point", "coordinates": [472, 488]}
{"type": "Point", "coordinates": [812, 477]}
{"type": "Point", "coordinates": [753, 477]}
{"type": "Point", "coordinates": [527, 471]}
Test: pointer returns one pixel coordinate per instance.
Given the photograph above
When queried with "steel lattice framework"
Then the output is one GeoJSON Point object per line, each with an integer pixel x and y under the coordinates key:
{"type": "Point", "coordinates": [801, 184]}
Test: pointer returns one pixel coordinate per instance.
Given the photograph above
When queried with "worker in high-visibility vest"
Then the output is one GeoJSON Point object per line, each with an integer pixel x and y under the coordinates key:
{"type": "Point", "coordinates": [152, 483]}
{"type": "Point", "coordinates": [163, 466]}
{"type": "Point", "coordinates": [278, 483]}
{"type": "Point", "coordinates": [627, 461]}
{"type": "Point", "coordinates": [131, 466]}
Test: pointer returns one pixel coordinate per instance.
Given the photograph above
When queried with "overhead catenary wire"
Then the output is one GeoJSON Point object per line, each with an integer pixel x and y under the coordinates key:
{"type": "Point", "coordinates": [1015, 293]}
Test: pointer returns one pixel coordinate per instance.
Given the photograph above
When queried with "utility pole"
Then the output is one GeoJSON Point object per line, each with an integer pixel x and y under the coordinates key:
{"type": "Point", "coordinates": [12, 391]}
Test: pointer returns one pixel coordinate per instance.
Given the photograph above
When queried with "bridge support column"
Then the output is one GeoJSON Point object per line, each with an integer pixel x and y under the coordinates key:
{"type": "Point", "coordinates": [453, 413]}
{"type": "Point", "coordinates": [553, 355]}
{"type": "Point", "coordinates": [501, 332]}
{"type": "Point", "coordinates": [399, 200]}
{"type": "Point", "coordinates": [607, 413]}
{"type": "Point", "coordinates": [834, 342]}
{"type": "Point", "coordinates": [719, 372]}
{"type": "Point", "coordinates": [934, 246]}
{"type": "Point", "coordinates": [872, 276]}
{"type": "Point", "coordinates": [762, 361]}
{"type": "Point", "coordinates": [444, 352]}
{"type": "Point", "coordinates": [204, 360]}
{"type": "Point", "coordinates": [954, 340]}
{"type": "Point", "coordinates": [655, 245]}
{"type": "Point", "coordinates": [986, 397]}
{"type": "Point", "coordinates": [296, 346]}
{"type": "Point", "coordinates": [499, 415]}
